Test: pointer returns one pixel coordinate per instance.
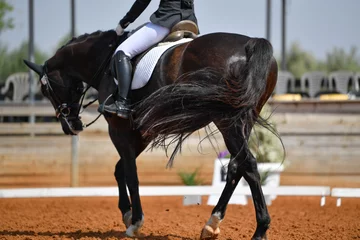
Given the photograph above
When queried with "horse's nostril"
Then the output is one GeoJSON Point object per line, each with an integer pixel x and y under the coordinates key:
{"type": "Point", "coordinates": [77, 125]}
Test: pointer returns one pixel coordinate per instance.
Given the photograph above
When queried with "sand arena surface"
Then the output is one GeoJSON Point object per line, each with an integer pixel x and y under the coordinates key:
{"type": "Point", "coordinates": [167, 218]}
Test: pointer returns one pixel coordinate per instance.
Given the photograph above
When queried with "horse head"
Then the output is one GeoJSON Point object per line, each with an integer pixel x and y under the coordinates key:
{"type": "Point", "coordinates": [82, 59]}
{"type": "Point", "coordinates": [64, 94]}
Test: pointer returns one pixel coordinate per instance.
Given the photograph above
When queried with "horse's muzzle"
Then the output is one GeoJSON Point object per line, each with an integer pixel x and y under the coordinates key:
{"type": "Point", "coordinates": [71, 126]}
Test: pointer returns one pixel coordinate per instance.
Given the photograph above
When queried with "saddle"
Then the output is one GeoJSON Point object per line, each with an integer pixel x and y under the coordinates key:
{"type": "Point", "coordinates": [183, 29]}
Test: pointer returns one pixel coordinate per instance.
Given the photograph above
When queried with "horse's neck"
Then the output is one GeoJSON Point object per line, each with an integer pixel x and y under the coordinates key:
{"type": "Point", "coordinates": [99, 55]}
{"type": "Point", "coordinates": [101, 67]}
{"type": "Point", "coordinates": [106, 87]}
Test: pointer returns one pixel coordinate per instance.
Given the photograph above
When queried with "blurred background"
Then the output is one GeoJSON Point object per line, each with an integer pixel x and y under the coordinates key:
{"type": "Point", "coordinates": [315, 106]}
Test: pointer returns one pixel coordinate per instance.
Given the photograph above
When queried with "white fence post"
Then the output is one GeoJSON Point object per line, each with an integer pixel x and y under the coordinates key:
{"type": "Point", "coordinates": [74, 161]}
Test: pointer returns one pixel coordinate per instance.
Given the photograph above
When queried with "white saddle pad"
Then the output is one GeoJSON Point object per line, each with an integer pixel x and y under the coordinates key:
{"type": "Point", "coordinates": [145, 67]}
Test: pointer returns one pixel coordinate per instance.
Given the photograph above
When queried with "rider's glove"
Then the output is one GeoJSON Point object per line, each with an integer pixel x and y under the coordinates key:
{"type": "Point", "coordinates": [119, 30]}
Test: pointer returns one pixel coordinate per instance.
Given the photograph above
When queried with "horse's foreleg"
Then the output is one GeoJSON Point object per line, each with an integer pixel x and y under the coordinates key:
{"type": "Point", "coordinates": [129, 144]}
{"type": "Point", "coordinates": [124, 203]}
{"type": "Point", "coordinates": [133, 186]}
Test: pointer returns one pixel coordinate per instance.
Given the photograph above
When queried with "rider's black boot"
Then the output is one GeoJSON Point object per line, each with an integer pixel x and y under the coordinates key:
{"type": "Point", "coordinates": [122, 69]}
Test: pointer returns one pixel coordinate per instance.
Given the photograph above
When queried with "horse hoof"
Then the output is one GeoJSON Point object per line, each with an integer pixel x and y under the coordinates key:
{"type": "Point", "coordinates": [133, 229]}
{"type": "Point", "coordinates": [259, 238]}
{"type": "Point", "coordinates": [127, 218]}
{"type": "Point", "coordinates": [209, 233]}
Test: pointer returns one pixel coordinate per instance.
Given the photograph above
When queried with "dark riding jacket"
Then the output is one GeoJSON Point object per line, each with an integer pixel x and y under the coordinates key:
{"type": "Point", "coordinates": [169, 13]}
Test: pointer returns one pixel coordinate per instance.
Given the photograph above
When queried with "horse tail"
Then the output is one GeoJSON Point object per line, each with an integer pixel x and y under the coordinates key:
{"type": "Point", "coordinates": [253, 72]}
{"type": "Point", "coordinates": [208, 94]}
{"type": "Point", "coordinates": [247, 79]}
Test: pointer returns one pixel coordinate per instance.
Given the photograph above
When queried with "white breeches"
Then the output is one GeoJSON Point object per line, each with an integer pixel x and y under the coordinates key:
{"type": "Point", "coordinates": [142, 39]}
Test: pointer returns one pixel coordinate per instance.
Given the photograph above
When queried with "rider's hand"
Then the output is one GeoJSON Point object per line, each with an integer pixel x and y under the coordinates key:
{"type": "Point", "coordinates": [119, 30]}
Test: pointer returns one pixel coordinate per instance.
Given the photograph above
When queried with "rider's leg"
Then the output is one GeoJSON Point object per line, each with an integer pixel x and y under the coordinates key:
{"type": "Point", "coordinates": [121, 68]}
{"type": "Point", "coordinates": [137, 43]}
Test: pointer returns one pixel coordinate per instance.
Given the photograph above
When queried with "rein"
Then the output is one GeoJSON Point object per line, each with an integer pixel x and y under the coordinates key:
{"type": "Point", "coordinates": [85, 106]}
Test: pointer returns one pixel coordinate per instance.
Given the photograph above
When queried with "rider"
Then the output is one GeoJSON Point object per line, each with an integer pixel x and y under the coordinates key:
{"type": "Point", "coordinates": [169, 13]}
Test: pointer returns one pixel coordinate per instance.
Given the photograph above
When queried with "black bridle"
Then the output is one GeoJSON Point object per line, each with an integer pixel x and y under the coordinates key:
{"type": "Point", "coordinates": [62, 109]}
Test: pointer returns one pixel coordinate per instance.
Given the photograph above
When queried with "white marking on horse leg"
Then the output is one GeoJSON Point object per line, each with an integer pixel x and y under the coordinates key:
{"type": "Point", "coordinates": [211, 229]}
{"type": "Point", "coordinates": [214, 220]}
{"type": "Point", "coordinates": [127, 218]}
{"type": "Point", "coordinates": [133, 230]}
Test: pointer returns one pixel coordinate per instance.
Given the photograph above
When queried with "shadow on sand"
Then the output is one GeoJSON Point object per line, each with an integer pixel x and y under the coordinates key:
{"type": "Point", "coordinates": [88, 234]}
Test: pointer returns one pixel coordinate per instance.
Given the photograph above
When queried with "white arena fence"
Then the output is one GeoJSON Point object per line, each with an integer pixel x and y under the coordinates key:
{"type": "Point", "coordinates": [152, 191]}
{"type": "Point", "coordinates": [344, 193]}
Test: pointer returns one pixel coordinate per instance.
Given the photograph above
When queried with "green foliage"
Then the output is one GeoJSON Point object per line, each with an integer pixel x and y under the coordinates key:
{"type": "Point", "coordinates": [338, 59]}
{"type": "Point", "coordinates": [190, 179]}
{"type": "Point", "coordinates": [263, 177]}
{"type": "Point", "coordinates": [264, 144]}
{"type": "Point", "coordinates": [12, 61]}
{"type": "Point", "coordinates": [299, 61]}
{"type": "Point", "coordinates": [5, 23]}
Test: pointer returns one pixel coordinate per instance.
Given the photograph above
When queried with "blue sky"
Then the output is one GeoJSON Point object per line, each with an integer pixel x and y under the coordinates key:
{"type": "Point", "coordinates": [318, 25]}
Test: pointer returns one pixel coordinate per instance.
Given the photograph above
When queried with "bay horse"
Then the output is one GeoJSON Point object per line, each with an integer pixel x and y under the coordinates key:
{"type": "Point", "coordinates": [223, 78]}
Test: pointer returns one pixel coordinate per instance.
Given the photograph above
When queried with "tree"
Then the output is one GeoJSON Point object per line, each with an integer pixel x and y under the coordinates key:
{"type": "Point", "coordinates": [5, 23]}
{"type": "Point", "coordinates": [299, 61]}
{"type": "Point", "coordinates": [338, 59]}
{"type": "Point", "coordinates": [12, 62]}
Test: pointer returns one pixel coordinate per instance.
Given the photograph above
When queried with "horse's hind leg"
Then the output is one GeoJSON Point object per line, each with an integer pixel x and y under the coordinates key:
{"type": "Point", "coordinates": [211, 229]}
{"type": "Point", "coordinates": [252, 176]}
{"type": "Point", "coordinates": [242, 163]}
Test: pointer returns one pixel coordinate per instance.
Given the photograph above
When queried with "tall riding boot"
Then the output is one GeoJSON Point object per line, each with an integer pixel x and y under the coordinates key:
{"type": "Point", "coordinates": [122, 69]}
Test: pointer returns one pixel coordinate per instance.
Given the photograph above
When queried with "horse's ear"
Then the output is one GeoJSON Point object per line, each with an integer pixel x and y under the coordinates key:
{"type": "Point", "coordinates": [35, 67]}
